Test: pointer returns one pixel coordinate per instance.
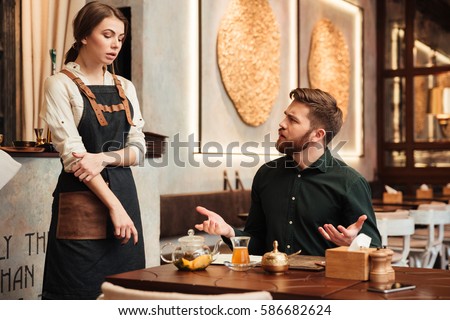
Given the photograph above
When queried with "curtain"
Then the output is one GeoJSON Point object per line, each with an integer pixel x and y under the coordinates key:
{"type": "Point", "coordinates": [45, 25]}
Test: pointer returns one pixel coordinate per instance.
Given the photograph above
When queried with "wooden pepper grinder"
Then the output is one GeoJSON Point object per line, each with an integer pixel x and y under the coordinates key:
{"type": "Point", "coordinates": [390, 271]}
{"type": "Point", "coordinates": [378, 272]}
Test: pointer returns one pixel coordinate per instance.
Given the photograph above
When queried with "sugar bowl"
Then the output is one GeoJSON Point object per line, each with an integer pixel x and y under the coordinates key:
{"type": "Point", "coordinates": [275, 261]}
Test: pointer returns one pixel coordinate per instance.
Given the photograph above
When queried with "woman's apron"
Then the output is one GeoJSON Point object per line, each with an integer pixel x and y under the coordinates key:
{"type": "Point", "coordinates": [75, 269]}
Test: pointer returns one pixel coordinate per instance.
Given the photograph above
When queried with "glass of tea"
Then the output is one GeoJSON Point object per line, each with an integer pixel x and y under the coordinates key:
{"type": "Point", "coordinates": [240, 250]}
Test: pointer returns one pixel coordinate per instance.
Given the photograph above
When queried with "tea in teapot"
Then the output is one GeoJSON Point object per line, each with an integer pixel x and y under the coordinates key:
{"type": "Point", "coordinates": [192, 254]}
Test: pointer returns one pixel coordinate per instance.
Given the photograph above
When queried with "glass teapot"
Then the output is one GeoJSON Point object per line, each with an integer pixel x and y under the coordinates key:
{"type": "Point", "coordinates": [192, 254]}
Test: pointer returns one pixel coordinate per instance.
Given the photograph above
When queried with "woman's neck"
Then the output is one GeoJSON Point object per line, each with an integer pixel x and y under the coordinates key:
{"type": "Point", "coordinates": [94, 72]}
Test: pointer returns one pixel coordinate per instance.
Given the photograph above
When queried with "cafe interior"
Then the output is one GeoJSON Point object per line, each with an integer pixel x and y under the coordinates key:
{"type": "Point", "coordinates": [213, 80]}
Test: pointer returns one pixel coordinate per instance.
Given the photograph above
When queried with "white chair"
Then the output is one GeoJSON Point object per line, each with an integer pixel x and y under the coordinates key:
{"type": "Point", "coordinates": [396, 229]}
{"type": "Point", "coordinates": [445, 253]}
{"type": "Point", "coordinates": [425, 249]}
{"type": "Point", "coordinates": [439, 232]}
{"type": "Point", "coordinates": [114, 292]}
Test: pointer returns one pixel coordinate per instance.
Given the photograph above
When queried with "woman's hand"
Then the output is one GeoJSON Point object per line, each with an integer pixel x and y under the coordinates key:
{"type": "Point", "coordinates": [123, 225]}
{"type": "Point", "coordinates": [88, 165]}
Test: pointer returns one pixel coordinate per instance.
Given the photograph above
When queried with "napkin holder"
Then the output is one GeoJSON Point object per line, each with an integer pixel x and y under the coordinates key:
{"type": "Point", "coordinates": [344, 264]}
{"type": "Point", "coordinates": [424, 194]}
{"type": "Point", "coordinates": [393, 197]}
{"type": "Point", "coordinates": [446, 191]}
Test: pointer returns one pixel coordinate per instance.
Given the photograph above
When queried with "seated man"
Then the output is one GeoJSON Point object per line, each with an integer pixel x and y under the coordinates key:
{"type": "Point", "coordinates": [305, 198]}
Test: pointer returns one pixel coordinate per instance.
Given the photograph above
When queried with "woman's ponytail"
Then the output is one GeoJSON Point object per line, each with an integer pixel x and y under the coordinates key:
{"type": "Point", "coordinates": [71, 54]}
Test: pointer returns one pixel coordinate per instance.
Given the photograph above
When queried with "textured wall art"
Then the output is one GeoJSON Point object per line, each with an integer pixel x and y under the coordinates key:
{"type": "Point", "coordinates": [248, 56]}
{"type": "Point", "coordinates": [251, 74]}
{"type": "Point", "coordinates": [329, 62]}
{"type": "Point", "coordinates": [330, 58]}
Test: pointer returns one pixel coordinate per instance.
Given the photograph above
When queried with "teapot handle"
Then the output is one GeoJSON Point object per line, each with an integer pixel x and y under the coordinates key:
{"type": "Point", "coordinates": [216, 252]}
{"type": "Point", "coordinates": [162, 255]}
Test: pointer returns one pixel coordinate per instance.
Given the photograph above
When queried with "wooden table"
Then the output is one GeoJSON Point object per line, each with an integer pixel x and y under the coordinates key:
{"type": "Point", "coordinates": [294, 284]}
{"type": "Point", "coordinates": [409, 202]}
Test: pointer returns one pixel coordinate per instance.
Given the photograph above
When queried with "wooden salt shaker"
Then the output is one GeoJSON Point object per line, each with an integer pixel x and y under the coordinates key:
{"type": "Point", "coordinates": [390, 271]}
{"type": "Point", "coordinates": [378, 272]}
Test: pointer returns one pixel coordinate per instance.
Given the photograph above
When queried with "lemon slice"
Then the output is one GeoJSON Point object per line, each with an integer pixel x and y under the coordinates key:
{"type": "Point", "coordinates": [201, 262]}
{"type": "Point", "coordinates": [186, 263]}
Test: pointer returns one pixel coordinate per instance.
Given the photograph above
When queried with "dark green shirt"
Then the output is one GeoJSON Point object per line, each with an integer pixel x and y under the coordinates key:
{"type": "Point", "coordinates": [289, 204]}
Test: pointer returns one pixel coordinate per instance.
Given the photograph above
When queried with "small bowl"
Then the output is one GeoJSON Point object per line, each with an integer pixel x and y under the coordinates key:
{"type": "Point", "coordinates": [21, 144]}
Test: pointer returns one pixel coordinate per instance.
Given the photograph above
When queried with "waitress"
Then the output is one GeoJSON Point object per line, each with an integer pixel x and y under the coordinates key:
{"type": "Point", "coordinates": [96, 127]}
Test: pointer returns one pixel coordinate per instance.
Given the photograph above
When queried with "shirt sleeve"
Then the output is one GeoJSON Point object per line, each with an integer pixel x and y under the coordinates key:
{"type": "Point", "coordinates": [255, 226]}
{"type": "Point", "coordinates": [61, 96]}
{"type": "Point", "coordinates": [359, 202]}
{"type": "Point", "coordinates": [136, 136]}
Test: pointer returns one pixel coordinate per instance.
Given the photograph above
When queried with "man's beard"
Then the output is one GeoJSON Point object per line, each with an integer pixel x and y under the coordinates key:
{"type": "Point", "coordinates": [291, 147]}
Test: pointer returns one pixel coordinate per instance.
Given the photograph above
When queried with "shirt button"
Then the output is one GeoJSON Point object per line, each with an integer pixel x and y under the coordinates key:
{"type": "Point", "coordinates": [288, 246]}
{"type": "Point", "coordinates": [299, 175]}
{"type": "Point", "coordinates": [293, 198]}
{"type": "Point", "coordinates": [290, 222]}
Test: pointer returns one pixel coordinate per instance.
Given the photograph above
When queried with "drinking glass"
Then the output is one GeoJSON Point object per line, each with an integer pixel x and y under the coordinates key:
{"type": "Point", "coordinates": [240, 250]}
{"type": "Point", "coordinates": [39, 139]}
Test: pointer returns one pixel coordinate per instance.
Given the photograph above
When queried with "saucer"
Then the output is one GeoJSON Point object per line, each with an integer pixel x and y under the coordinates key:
{"type": "Point", "coordinates": [240, 266]}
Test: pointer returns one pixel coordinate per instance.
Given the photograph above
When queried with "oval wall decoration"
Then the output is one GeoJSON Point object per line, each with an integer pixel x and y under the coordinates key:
{"type": "Point", "coordinates": [329, 63]}
{"type": "Point", "coordinates": [248, 55]}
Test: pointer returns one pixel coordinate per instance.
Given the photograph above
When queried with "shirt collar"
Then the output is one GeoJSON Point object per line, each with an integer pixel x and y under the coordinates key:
{"type": "Point", "coordinates": [76, 70]}
{"type": "Point", "coordinates": [321, 164]}
{"type": "Point", "coordinates": [324, 162]}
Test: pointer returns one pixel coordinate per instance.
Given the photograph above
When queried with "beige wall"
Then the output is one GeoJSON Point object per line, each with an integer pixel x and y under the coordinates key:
{"type": "Point", "coordinates": [165, 58]}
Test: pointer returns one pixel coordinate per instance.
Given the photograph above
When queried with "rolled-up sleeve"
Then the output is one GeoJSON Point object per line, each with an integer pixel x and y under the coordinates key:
{"type": "Point", "coordinates": [136, 136]}
{"type": "Point", "coordinates": [61, 96]}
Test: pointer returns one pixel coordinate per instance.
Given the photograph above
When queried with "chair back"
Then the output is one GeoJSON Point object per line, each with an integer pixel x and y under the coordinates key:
{"type": "Point", "coordinates": [428, 243]}
{"type": "Point", "coordinates": [434, 205]}
{"type": "Point", "coordinates": [395, 227]}
{"type": "Point", "coordinates": [114, 292]}
{"type": "Point", "coordinates": [432, 218]}
{"type": "Point", "coordinates": [400, 225]}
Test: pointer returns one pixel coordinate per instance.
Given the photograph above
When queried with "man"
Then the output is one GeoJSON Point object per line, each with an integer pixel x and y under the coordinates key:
{"type": "Point", "coordinates": [298, 199]}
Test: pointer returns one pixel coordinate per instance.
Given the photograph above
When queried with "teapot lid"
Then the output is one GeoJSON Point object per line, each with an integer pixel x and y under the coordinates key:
{"type": "Point", "coordinates": [190, 238]}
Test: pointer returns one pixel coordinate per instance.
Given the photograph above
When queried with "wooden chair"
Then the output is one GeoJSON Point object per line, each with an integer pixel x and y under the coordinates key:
{"type": "Point", "coordinates": [396, 225]}
{"type": "Point", "coordinates": [114, 292]}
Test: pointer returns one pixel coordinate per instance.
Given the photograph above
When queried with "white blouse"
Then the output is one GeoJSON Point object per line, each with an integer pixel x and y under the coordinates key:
{"type": "Point", "coordinates": [63, 108]}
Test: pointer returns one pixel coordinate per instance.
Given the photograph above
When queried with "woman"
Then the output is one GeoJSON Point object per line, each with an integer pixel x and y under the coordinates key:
{"type": "Point", "coordinates": [96, 127]}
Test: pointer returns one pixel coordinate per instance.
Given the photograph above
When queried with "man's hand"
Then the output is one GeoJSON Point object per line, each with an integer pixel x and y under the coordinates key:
{"type": "Point", "coordinates": [342, 236]}
{"type": "Point", "coordinates": [214, 224]}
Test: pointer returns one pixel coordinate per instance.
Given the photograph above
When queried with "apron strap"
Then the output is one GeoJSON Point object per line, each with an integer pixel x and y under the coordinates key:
{"type": "Point", "coordinates": [124, 99]}
{"type": "Point", "coordinates": [89, 94]}
{"type": "Point", "coordinates": [97, 107]}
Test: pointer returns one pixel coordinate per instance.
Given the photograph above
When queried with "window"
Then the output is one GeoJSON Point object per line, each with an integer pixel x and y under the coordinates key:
{"type": "Point", "coordinates": [413, 91]}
